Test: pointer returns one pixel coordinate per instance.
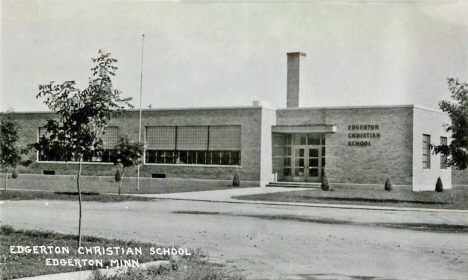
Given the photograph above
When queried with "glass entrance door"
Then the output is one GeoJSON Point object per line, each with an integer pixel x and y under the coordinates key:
{"type": "Point", "coordinates": [314, 163]}
{"type": "Point", "coordinates": [304, 161]}
{"type": "Point", "coordinates": [299, 162]}
{"type": "Point", "coordinates": [307, 164]}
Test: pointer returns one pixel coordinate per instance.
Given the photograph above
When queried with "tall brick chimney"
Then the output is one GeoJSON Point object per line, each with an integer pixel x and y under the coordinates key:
{"type": "Point", "coordinates": [294, 71]}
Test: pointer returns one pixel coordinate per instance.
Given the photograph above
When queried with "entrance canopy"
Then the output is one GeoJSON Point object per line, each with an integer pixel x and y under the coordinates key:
{"type": "Point", "coordinates": [322, 128]}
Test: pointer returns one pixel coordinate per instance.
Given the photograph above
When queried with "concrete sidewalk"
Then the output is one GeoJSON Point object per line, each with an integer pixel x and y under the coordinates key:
{"type": "Point", "coordinates": [222, 195]}
{"type": "Point", "coordinates": [226, 196]}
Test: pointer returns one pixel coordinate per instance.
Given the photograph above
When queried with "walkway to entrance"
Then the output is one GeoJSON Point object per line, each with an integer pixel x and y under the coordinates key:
{"type": "Point", "coordinates": [227, 196]}
{"type": "Point", "coordinates": [220, 195]}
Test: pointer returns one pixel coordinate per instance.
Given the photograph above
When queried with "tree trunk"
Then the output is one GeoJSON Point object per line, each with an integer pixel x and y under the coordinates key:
{"type": "Point", "coordinates": [121, 179]}
{"type": "Point", "coordinates": [6, 178]}
{"type": "Point", "coordinates": [79, 201]}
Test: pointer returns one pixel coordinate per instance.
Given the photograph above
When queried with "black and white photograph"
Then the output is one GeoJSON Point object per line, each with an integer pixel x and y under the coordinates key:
{"type": "Point", "coordinates": [233, 140]}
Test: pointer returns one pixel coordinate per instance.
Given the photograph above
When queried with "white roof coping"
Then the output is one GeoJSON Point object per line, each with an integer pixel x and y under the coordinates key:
{"type": "Point", "coordinates": [363, 107]}
{"type": "Point", "coordinates": [261, 107]}
{"type": "Point", "coordinates": [165, 109]}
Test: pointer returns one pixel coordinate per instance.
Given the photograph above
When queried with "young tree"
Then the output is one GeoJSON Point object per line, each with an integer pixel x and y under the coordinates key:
{"type": "Point", "coordinates": [82, 116]}
{"type": "Point", "coordinates": [388, 184]}
{"type": "Point", "coordinates": [126, 154]}
{"type": "Point", "coordinates": [236, 179]}
{"type": "Point", "coordinates": [457, 110]}
{"type": "Point", "coordinates": [325, 182]}
{"type": "Point", "coordinates": [439, 186]}
{"type": "Point", "coordinates": [10, 155]}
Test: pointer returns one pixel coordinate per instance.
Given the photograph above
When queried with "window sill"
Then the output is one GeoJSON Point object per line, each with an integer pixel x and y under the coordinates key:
{"type": "Point", "coordinates": [193, 165]}
{"type": "Point", "coordinates": [74, 162]}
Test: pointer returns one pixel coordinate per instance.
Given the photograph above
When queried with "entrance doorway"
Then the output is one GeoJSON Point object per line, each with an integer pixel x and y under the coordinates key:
{"type": "Point", "coordinates": [304, 157]}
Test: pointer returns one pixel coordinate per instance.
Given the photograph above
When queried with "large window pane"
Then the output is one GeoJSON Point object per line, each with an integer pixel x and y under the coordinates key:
{"type": "Point", "coordinates": [299, 172]}
{"type": "Point", "coordinates": [193, 138]}
{"type": "Point", "coordinates": [287, 151]}
{"type": "Point", "coordinates": [225, 137]}
{"type": "Point", "coordinates": [313, 172]}
{"type": "Point", "coordinates": [313, 152]}
{"type": "Point", "coordinates": [236, 158]}
{"type": "Point", "coordinates": [313, 139]}
{"type": "Point", "coordinates": [110, 137]}
{"type": "Point", "coordinates": [160, 137]}
{"type": "Point", "coordinates": [297, 139]}
{"type": "Point", "coordinates": [303, 139]}
{"type": "Point", "coordinates": [313, 162]}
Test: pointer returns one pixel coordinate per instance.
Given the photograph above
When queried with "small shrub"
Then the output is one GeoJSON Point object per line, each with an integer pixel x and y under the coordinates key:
{"type": "Point", "coordinates": [14, 175]}
{"type": "Point", "coordinates": [174, 264]}
{"type": "Point", "coordinates": [236, 180]}
{"type": "Point", "coordinates": [118, 176]}
{"type": "Point", "coordinates": [325, 183]}
{"type": "Point", "coordinates": [7, 230]}
{"type": "Point", "coordinates": [388, 184]}
{"type": "Point", "coordinates": [439, 186]}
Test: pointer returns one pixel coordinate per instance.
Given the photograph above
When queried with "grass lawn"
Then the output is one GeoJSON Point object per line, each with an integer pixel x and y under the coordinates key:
{"type": "Point", "coordinates": [193, 268]}
{"type": "Point", "coordinates": [26, 265]}
{"type": "Point", "coordinates": [86, 196]}
{"type": "Point", "coordinates": [448, 199]}
{"type": "Point", "coordinates": [188, 187]}
{"type": "Point", "coordinates": [107, 184]}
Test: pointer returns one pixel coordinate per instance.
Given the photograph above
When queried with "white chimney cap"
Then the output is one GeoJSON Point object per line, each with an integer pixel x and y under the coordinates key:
{"type": "Point", "coordinates": [260, 103]}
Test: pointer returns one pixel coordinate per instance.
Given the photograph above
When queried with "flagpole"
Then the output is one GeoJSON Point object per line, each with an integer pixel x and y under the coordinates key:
{"type": "Point", "coordinates": [141, 94]}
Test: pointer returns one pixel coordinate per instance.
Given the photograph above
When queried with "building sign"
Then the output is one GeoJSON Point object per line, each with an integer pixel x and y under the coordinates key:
{"type": "Point", "coordinates": [360, 135]}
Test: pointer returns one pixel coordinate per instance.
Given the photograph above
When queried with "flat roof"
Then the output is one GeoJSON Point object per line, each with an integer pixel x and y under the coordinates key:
{"type": "Point", "coordinates": [259, 107]}
{"type": "Point", "coordinates": [163, 109]}
{"type": "Point", "coordinates": [363, 107]}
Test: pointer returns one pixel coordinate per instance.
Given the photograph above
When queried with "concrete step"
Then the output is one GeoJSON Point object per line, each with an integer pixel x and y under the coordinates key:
{"type": "Point", "coordinates": [294, 184]}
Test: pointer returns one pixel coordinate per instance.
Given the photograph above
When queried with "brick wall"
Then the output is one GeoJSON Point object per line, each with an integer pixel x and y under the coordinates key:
{"type": "Point", "coordinates": [249, 118]}
{"type": "Point", "coordinates": [395, 153]}
{"type": "Point", "coordinates": [388, 155]}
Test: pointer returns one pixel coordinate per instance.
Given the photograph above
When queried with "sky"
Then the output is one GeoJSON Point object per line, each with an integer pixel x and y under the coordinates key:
{"type": "Point", "coordinates": [223, 54]}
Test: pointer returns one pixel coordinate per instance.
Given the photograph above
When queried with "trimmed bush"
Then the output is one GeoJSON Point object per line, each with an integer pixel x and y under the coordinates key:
{"type": "Point", "coordinates": [118, 176]}
{"type": "Point", "coordinates": [14, 175]}
{"type": "Point", "coordinates": [236, 180]}
{"type": "Point", "coordinates": [388, 184]}
{"type": "Point", "coordinates": [325, 183]}
{"type": "Point", "coordinates": [439, 186]}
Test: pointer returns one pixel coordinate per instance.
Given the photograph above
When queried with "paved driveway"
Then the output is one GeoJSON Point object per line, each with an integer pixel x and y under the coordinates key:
{"type": "Point", "coordinates": [271, 241]}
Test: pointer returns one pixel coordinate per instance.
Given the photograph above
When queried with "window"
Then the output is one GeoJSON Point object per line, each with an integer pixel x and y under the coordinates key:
{"type": "Point", "coordinates": [110, 137]}
{"type": "Point", "coordinates": [224, 137]}
{"type": "Point", "coordinates": [160, 137]}
{"type": "Point", "coordinates": [216, 145]}
{"type": "Point", "coordinates": [443, 159]}
{"type": "Point", "coordinates": [193, 138]}
{"type": "Point", "coordinates": [56, 153]}
{"type": "Point", "coordinates": [53, 152]}
{"type": "Point", "coordinates": [41, 131]}
{"type": "Point", "coordinates": [426, 151]}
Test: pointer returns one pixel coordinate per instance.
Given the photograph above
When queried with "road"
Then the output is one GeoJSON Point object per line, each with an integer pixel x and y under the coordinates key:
{"type": "Point", "coordinates": [273, 242]}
